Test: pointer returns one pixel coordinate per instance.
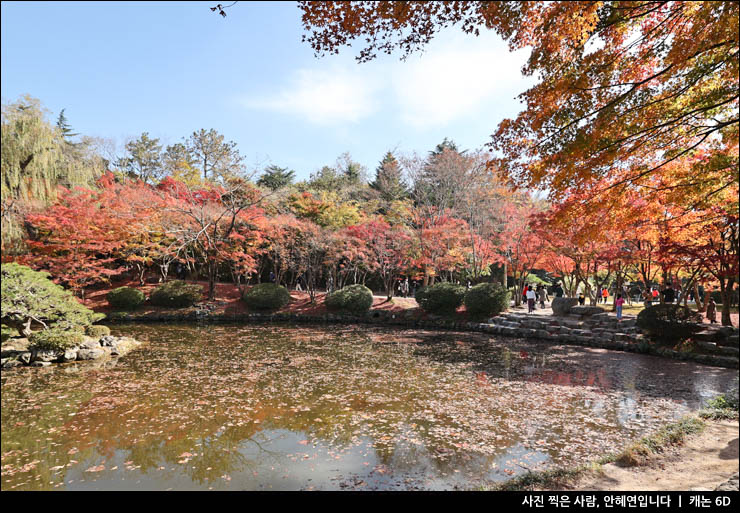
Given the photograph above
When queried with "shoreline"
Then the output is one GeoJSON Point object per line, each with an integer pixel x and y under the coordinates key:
{"type": "Point", "coordinates": [394, 320]}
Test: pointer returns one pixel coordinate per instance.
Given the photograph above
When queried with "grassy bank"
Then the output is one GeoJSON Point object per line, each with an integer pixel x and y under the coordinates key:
{"type": "Point", "coordinates": [722, 407]}
{"type": "Point", "coordinates": [639, 453]}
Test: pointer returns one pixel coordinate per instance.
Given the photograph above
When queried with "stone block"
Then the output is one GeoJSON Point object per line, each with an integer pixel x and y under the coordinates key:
{"type": "Point", "coordinates": [90, 354]}
{"type": "Point", "coordinates": [562, 305]}
{"type": "Point", "coordinates": [586, 310]}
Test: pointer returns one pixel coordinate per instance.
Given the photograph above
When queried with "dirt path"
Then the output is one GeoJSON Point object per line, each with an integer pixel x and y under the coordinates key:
{"type": "Point", "coordinates": [704, 461]}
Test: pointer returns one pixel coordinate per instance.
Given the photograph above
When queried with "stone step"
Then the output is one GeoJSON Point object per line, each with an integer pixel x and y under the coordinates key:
{"type": "Point", "coordinates": [728, 351]}
{"type": "Point", "coordinates": [732, 341]}
{"type": "Point", "coordinates": [708, 335]}
{"type": "Point", "coordinates": [709, 346]}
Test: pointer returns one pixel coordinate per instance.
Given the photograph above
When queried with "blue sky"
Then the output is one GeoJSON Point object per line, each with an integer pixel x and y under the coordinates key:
{"type": "Point", "coordinates": [120, 69]}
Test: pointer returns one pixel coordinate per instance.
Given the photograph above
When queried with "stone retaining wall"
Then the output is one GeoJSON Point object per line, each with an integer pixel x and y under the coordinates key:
{"type": "Point", "coordinates": [19, 352]}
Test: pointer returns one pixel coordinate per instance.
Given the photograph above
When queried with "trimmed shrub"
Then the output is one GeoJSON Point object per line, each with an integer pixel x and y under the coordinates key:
{"type": "Point", "coordinates": [177, 294]}
{"type": "Point", "coordinates": [97, 331]}
{"type": "Point", "coordinates": [486, 299]}
{"type": "Point", "coordinates": [125, 298]}
{"type": "Point", "coordinates": [29, 296]}
{"type": "Point", "coordinates": [355, 299]}
{"type": "Point", "coordinates": [442, 297]}
{"type": "Point", "coordinates": [267, 296]}
{"type": "Point", "coordinates": [668, 323]}
{"type": "Point", "coordinates": [55, 339]}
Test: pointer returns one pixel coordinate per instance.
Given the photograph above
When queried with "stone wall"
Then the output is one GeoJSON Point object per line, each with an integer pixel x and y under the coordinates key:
{"type": "Point", "coordinates": [19, 352]}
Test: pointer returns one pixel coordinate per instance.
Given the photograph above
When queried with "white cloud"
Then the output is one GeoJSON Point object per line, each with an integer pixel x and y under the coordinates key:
{"type": "Point", "coordinates": [457, 78]}
{"type": "Point", "coordinates": [324, 97]}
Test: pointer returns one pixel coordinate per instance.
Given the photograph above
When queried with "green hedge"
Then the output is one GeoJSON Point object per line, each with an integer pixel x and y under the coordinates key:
{"type": "Point", "coordinates": [355, 299]}
{"type": "Point", "coordinates": [97, 331]}
{"type": "Point", "coordinates": [55, 339]}
{"type": "Point", "coordinates": [668, 323]}
{"type": "Point", "coordinates": [267, 296]}
{"type": "Point", "coordinates": [442, 297]}
{"type": "Point", "coordinates": [125, 298]}
{"type": "Point", "coordinates": [486, 299]}
{"type": "Point", "coordinates": [176, 294]}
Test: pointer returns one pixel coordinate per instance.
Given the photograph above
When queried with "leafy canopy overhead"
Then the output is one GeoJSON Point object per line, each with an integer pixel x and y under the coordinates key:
{"type": "Point", "coordinates": [624, 87]}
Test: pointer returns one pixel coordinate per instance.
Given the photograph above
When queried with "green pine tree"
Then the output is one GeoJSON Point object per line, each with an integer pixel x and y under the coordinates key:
{"type": "Point", "coordinates": [388, 180]}
{"type": "Point", "coordinates": [276, 177]}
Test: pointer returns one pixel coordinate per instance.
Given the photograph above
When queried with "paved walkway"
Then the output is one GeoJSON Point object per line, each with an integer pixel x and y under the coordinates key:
{"type": "Point", "coordinates": [547, 311]}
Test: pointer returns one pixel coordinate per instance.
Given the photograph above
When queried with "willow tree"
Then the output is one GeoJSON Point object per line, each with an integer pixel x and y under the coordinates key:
{"type": "Point", "coordinates": [35, 161]}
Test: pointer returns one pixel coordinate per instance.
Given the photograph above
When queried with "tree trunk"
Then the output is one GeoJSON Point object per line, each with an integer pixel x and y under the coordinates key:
{"type": "Point", "coordinates": [211, 280]}
{"type": "Point", "coordinates": [140, 271]}
{"type": "Point", "coordinates": [618, 290]}
{"type": "Point", "coordinates": [164, 271]}
{"type": "Point", "coordinates": [726, 293]}
{"type": "Point", "coordinates": [701, 306]}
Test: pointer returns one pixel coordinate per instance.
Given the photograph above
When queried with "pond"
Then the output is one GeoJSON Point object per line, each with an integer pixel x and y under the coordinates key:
{"type": "Point", "coordinates": [278, 407]}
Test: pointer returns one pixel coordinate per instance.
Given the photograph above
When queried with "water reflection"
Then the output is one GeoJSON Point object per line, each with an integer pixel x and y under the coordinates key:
{"type": "Point", "coordinates": [278, 407]}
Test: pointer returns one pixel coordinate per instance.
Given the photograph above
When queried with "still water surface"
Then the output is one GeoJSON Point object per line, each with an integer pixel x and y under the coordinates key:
{"type": "Point", "coordinates": [332, 408]}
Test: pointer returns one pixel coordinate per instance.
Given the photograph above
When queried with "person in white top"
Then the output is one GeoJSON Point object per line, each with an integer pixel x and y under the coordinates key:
{"type": "Point", "coordinates": [531, 296]}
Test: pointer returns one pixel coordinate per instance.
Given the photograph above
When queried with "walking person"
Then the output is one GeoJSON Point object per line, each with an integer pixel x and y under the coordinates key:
{"type": "Point", "coordinates": [531, 296]}
{"type": "Point", "coordinates": [626, 294]}
{"type": "Point", "coordinates": [543, 296]}
{"type": "Point", "coordinates": [619, 302]}
{"type": "Point", "coordinates": [558, 290]}
{"type": "Point", "coordinates": [711, 311]}
{"type": "Point", "coordinates": [669, 295]}
{"type": "Point", "coordinates": [604, 294]}
{"type": "Point", "coordinates": [648, 296]}
{"type": "Point", "coordinates": [581, 299]}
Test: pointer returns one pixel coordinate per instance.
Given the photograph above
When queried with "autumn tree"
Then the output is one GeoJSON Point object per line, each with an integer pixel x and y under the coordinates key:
{"type": "Point", "coordinates": [385, 248]}
{"type": "Point", "coordinates": [621, 85]}
{"type": "Point", "coordinates": [713, 246]}
{"type": "Point", "coordinates": [440, 186]}
{"type": "Point", "coordinates": [521, 244]}
{"type": "Point", "coordinates": [77, 239]}
{"type": "Point", "coordinates": [207, 219]}
{"type": "Point", "coordinates": [279, 231]}
{"type": "Point", "coordinates": [325, 209]}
